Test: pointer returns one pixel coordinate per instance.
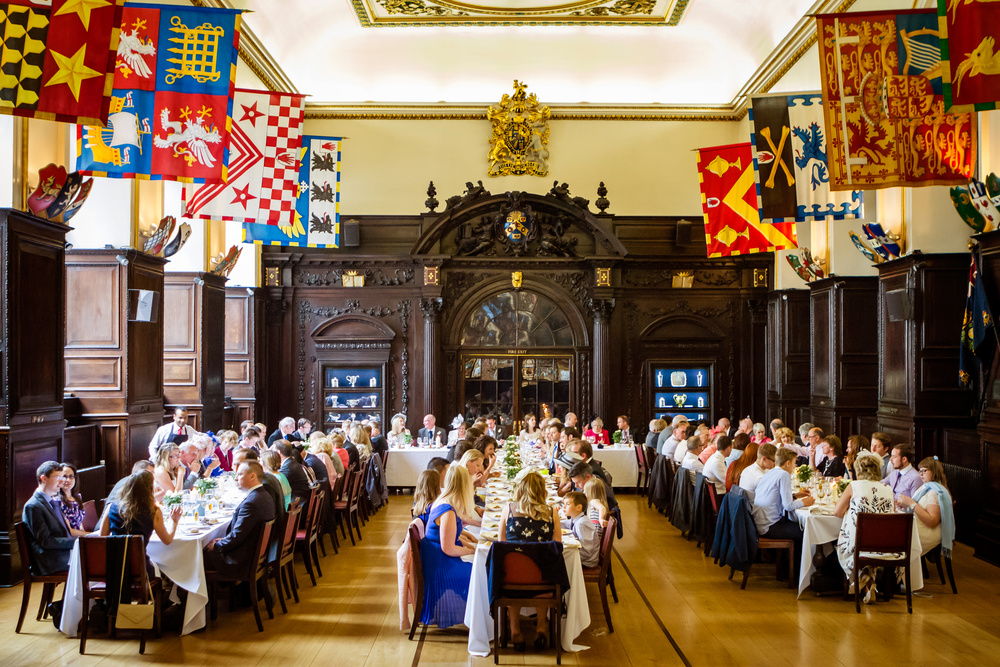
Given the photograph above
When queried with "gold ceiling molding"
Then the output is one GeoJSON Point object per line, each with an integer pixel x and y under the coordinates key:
{"type": "Point", "coordinates": [458, 13]}
{"type": "Point", "coordinates": [658, 112]}
{"type": "Point", "coordinates": [254, 55]}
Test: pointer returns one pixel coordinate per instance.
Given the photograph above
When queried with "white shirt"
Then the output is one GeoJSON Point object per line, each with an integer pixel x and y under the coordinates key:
{"type": "Point", "coordinates": [715, 470]}
{"type": "Point", "coordinates": [750, 478]}
{"type": "Point", "coordinates": [669, 446]}
{"type": "Point", "coordinates": [680, 451]}
{"type": "Point", "coordinates": [692, 462]}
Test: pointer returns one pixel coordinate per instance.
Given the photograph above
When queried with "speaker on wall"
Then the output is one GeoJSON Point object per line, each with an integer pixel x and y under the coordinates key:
{"type": "Point", "coordinates": [143, 305]}
{"type": "Point", "coordinates": [352, 234]}
{"type": "Point", "coordinates": [899, 303]}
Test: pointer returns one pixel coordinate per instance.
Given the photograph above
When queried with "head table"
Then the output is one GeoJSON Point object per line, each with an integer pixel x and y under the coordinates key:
{"type": "Point", "coordinates": [477, 610]}
{"type": "Point", "coordinates": [182, 561]}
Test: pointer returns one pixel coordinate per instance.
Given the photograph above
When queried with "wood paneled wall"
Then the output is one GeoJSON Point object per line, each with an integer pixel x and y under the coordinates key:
{"type": "Point", "coordinates": [844, 358]}
{"type": "Point", "coordinates": [789, 346]}
{"type": "Point", "coordinates": [114, 367]}
{"type": "Point", "coordinates": [194, 307]}
{"type": "Point", "coordinates": [244, 346]}
{"type": "Point", "coordinates": [32, 304]}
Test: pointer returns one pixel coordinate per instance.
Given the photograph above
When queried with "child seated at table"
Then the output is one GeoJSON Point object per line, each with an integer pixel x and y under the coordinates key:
{"type": "Point", "coordinates": [597, 504]}
{"type": "Point", "coordinates": [583, 528]}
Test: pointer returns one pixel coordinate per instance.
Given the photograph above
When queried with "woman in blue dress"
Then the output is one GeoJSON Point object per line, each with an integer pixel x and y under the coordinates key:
{"type": "Point", "coordinates": [446, 575]}
{"type": "Point", "coordinates": [136, 513]}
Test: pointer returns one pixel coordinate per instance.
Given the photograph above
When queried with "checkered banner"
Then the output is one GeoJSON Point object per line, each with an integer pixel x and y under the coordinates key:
{"type": "Point", "coordinates": [57, 58]}
{"type": "Point", "coordinates": [317, 209]}
{"type": "Point", "coordinates": [263, 163]}
{"type": "Point", "coordinates": [171, 107]}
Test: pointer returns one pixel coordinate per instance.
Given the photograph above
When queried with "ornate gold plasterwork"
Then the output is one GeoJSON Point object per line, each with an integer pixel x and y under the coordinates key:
{"type": "Point", "coordinates": [413, 13]}
{"type": "Point", "coordinates": [520, 139]}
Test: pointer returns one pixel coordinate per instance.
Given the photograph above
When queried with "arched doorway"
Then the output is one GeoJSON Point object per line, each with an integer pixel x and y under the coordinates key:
{"type": "Point", "coordinates": [516, 358]}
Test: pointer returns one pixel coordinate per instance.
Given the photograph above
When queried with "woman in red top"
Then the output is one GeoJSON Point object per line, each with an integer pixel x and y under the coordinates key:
{"type": "Point", "coordinates": [337, 445]}
{"type": "Point", "coordinates": [597, 434]}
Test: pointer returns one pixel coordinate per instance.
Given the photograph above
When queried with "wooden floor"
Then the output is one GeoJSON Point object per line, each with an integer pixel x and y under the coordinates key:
{"type": "Point", "coordinates": [676, 607]}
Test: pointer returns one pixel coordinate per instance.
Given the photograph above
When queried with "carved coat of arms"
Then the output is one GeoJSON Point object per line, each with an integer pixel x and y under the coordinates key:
{"type": "Point", "coordinates": [520, 138]}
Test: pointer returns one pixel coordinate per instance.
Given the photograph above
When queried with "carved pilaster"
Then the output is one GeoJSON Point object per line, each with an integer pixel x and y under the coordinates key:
{"type": "Point", "coordinates": [601, 310]}
{"type": "Point", "coordinates": [431, 308]}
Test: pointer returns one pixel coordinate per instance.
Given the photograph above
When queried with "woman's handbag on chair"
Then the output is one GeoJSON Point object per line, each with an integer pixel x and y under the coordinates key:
{"type": "Point", "coordinates": [135, 615]}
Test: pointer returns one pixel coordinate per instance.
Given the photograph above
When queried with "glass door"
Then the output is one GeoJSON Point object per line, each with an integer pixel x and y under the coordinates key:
{"type": "Point", "coordinates": [542, 387]}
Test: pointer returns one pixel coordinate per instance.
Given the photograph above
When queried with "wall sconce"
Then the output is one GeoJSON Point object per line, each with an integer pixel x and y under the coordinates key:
{"type": "Point", "coordinates": [353, 279]}
{"type": "Point", "coordinates": [683, 280]}
{"type": "Point", "coordinates": [602, 277]}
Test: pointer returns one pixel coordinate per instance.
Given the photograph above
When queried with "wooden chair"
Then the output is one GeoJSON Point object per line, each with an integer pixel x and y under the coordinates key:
{"type": "Point", "coordinates": [342, 504]}
{"type": "Point", "coordinates": [349, 508]}
{"type": "Point", "coordinates": [307, 535]}
{"type": "Point", "coordinates": [641, 480]}
{"type": "Point", "coordinates": [883, 540]}
{"type": "Point", "coordinates": [521, 576]}
{"type": "Point", "coordinates": [93, 572]}
{"type": "Point", "coordinates": [649, 454]}
{"type": "Point", "coordinates": [90, 516]}
{"type": "Point", "coordinates": [48, 581]}
{"type": "Point", "coordinates": [601, 575]}
{"type": "Point", "coordinates": [935, 556]}
{"type": "Point", "coordinates": [365, 508]}
{"type": "Point", "coordinates": [260, 570]}
{"type": "Point", "coordinates": [329, 523]}
{"type": "Point", "coordinates": [778, 545]}
{"type": "Point", "coordinates": [282, 568]}
{"type": "Point", "coordinates": [418, 579]}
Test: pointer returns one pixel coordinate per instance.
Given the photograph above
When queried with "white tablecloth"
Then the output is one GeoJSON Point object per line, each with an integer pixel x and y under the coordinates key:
{"type": "Point", "coordinates": [477, 609]}
{"type": "Point", "coordinates": [405, 465]}
{"type": "Point", "coordinates": [822, 529]}
{"type": "Point", "coordinates": [182, 561]}
{"type": "Point", "coordinates": [621, 463]}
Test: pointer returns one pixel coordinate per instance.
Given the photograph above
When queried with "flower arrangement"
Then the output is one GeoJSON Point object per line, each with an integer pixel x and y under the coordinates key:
{"type": "Point", "coordinates": [203, 486]}
{"type": "Point", "coordinates": [842, 485]}
{"type": "Point", "coordinates": [407, 438]}
{"type": "Point", "coordinates": [616, 437]}
{"type": "Point", "coordinates": [803, 473]}
{"type": "Point", "coordinates": [172, 500]}
{"type": "Point", "coordinates": [512, 459]}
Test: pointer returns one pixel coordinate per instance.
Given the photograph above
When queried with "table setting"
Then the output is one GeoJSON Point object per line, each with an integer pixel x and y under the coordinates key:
{"type": "Point", "coordinates": [497, 493]}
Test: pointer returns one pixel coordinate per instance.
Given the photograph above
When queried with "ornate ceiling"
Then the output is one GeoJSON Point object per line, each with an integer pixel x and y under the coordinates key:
{"type": "Point", "coordinates": [448, 58]}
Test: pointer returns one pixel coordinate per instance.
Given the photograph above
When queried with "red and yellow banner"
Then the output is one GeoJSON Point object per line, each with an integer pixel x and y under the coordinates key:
{"type": "Point", "coordinates": [729, 202]}
{"type": "Point", "coordinates": [883, 103]}
{"type": "Point", "coordinates": [970, 57]}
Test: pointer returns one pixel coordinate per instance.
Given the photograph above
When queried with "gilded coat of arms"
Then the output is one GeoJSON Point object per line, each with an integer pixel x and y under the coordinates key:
{"type": "Point", "coordinates": [520, 139]}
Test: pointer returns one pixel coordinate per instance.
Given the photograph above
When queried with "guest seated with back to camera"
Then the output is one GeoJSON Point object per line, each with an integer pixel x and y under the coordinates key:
{"type": "Point", "coordinates": [426, 492]}
{"type": "Point", "coordinates": [136, 513]}
{"type": "Point", "coordinates": [528, 518]}
{"type": "Point", "coordinates": [292, 470]}
{"type": "Point", "coordinates": [235, 551]}
{"type": "Point", "coordinates": [773, 501]}
{"type": "Point", "coordinates": [472, 460]}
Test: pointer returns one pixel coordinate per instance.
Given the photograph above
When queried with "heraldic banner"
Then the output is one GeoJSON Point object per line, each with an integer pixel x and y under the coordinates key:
{"type": "Point", "coordinates": [318, 203]}
{"type": "Point", "coordinates": [263, 163]}
{"type": "Point", "coordinates": [171, 107]}
{"type": "Point", "coordinates": [789, 157]}
{"type": "Point", "coordinates": [883, 103]}
{"type": "Point", "coordinates": [729, 202]}
{"type": "Point", "coordinates": [58, 58]}
{"type": "Point", "coordinates": [969, 56]}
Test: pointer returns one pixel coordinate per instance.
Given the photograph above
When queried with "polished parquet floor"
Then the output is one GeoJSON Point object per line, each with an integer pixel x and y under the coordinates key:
{"type": "Point", "coordinates": [675, 607]}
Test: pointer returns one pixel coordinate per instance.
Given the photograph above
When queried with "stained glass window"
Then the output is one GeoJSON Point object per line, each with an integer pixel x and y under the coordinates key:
{"type": "Point", "coordinates": [518, 319]}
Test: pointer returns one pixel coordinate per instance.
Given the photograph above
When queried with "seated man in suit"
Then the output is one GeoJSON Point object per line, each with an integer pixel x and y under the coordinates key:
{"type": "Point", "coordinates": [235, 551]}
{"type": "Point", "coordinates": [285, 431]}
{"type": "Point", "coordinates": [273, 488]}
{"type": "Point", "coordinates": [51, 541]}
{"type": "Point", "coordinates": [431, 432]}
{"type": "Point", "coordinates": [493, 429]}
{"type": "Point", "coordinates": [293, 472]}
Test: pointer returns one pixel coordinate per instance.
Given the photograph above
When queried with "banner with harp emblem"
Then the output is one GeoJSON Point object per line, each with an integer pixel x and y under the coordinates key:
{"type": "Point", "coordinates": [729, 204]}
{"type": "Point", "coordinates": [171, 107]}
{"type": "Point", "coordinates": [883, 107]}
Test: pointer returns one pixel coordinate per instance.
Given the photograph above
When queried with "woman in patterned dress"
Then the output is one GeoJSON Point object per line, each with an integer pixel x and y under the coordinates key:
{"type": "Point", "coordinates": [529, 518]}
{"type": "Point", "coordinates": [867, 494]}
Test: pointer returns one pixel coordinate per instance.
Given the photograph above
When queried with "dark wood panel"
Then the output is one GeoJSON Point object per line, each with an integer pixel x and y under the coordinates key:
{"type": "Point", "coordinates": [237, 323]}
{"type": "Point", "coordinates": [79, 445]}
{"type": "Point", "coordinates": [145, 339]}
{"type": "Point", "coordinates": [83, 373]}
{"type": "Point", "coordinates": [823, 356]}
{"type": "Point", "coordinates": [93, 306]}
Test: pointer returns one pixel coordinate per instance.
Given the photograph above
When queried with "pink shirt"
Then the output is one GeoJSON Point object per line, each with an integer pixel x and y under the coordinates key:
{"type": "Point", "coordinates": [599, 438]}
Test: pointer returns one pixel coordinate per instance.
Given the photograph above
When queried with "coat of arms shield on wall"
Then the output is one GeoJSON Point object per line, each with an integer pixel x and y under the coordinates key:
{"type": "Point", "coordinates": [520, 138]}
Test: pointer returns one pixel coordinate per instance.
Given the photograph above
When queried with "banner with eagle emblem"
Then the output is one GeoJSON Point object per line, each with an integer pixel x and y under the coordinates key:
{"type": "Point", "coordinates": [970, 57]}
{"type": "Point", "coordinates": [58, 58]}
{"type": "Point", "coordinates": [317, 209]}
{"type": "Point", "coordinates": [171, 107]}
{"type": "Point", "coordinates": [263, 163]}
{"type": "Point", "coordinates": [789, 159]}
{"type": "Point", "coordinates": [882, 102]}
{"type": "Point", "coordinates": [729, 203]}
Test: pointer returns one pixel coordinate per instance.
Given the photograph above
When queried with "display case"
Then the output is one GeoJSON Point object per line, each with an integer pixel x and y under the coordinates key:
{"type": "Point", "coordinates": [354, 393]}
{"type": "Point", "coordinates": [682, 389]}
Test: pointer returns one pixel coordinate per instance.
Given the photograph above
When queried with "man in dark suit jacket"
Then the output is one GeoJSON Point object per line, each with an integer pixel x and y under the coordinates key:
{"type": "Point", "coordinates": [353, 455]}
{"type": "Point", "coordinates": [379, 444]}
{"type": "Point", "coordinates": [235, 551]}
{"type": "Point", "coordinates": [431, 432]}
{"type": "Point", "coordinates": [285, 431]}
{"type": "Point", "coordinates": [293, 472]}
{"type": "Point", "coordinates": [318, 467]}
{"type": "Point", "coordinates": [51, 542]}
{"type": "Point", "coordinates": [494, 430]}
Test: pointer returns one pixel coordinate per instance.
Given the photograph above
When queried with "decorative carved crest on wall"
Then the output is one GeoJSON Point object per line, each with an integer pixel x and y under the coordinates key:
{"type": "Point", "coordinates": [373, 276]}
{"type": "Point", "coordinates": [515, 231]}
{"type": "Point", "coordinates": [520, 138]}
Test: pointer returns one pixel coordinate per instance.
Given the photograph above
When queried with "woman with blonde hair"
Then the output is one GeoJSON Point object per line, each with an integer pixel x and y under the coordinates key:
{"type": "Point", "coordinates": [359, 437]}
{"type": "Point", "coordinates": [427, 491]}
{"type": "Point", "coordinates": [446, 575]}
{"type": "Point", "coordinates": [597, 503]}
{"type": "Point", "coordinates": [271, 462]}
{"type": "Point", "coordinates": [529, 518]}
{"type": "Point", "coordinates": [398, 433]}
{"type": "Point", "coordinates": [865, 494]}
{"type": "Point", "coordinates": [169, 473]}
{"type": "Point", "coordinates": [322, 449]}
{"type": "Point", "coordinates": [931, 505]}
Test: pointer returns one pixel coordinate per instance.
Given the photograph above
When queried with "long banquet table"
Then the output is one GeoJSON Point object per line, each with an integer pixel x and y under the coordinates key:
{"type": "Point", "coordinates": [182, 561]}
{"type": "Point", "coordinates": [404, 466]}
